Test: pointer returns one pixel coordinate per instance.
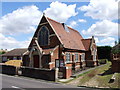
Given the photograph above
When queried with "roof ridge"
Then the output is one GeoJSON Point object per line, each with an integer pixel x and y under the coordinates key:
{"type": "Point", "coordinates": [73, 29]}
{"type": "Point", "coordinates": [61, 23]}
{"type": "Point", "coordinates": [53, 20]}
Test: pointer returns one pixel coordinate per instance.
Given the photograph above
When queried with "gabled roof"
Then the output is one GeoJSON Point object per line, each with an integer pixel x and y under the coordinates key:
{"type": "Point", "coordinates": [16, 52]}
{"type": "Point", "coordinates": [71, 39]}
{"type": "Point", "coordinates": [87, 43]}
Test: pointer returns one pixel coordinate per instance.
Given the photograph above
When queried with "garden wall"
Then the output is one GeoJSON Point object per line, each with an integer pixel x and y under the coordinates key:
{"type": "Point", "coordinates": [7, 69]}
{"type": "Point", "coordinates": [38, 73]}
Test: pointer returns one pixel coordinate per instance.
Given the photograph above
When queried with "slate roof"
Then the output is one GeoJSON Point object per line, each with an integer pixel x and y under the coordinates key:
{"type": "Point", "coordinates": [16, 52]}
{"type": "Point", "coordinates": [71, 39]}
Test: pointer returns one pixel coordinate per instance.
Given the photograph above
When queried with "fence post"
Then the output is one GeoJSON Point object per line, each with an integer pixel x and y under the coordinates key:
{"type": "Point", "coordinates": [56, 74]}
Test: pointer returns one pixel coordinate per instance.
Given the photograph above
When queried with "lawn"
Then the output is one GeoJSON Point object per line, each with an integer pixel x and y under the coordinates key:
{"type": "Point", "coordinates": [98, 77]}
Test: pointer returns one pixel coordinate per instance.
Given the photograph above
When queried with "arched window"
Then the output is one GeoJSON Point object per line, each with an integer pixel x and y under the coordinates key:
{"type": "Point", "coordinates": [43, 36]}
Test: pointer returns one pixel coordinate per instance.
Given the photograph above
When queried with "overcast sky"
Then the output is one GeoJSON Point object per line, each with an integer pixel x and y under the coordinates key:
{"type": "Point", "coordinates": [19, 20]}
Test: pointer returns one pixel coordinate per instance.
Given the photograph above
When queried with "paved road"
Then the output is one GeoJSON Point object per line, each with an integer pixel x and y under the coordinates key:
{"type": "Point", "coordinates": [22, 83]}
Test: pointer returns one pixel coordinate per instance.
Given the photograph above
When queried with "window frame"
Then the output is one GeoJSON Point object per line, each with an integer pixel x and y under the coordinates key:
{"type": "Point", "coordinates": [76, 57]}
{"type": "Point", "coordinates": [38, 36]}
{"type": "Point", "coordinates": [82, 57]}
{"type": "Point", "coordinates": [67, 57]}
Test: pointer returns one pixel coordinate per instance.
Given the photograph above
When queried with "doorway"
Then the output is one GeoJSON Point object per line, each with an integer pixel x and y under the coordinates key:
{"type": "Point", "coordinates": [36, 61]}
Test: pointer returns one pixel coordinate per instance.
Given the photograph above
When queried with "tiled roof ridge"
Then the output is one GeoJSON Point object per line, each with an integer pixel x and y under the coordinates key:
{"type": "Point", "coordinates": [61, 23]}
{"type": "Point", "coordinates": [73, 29]}
{"type": "Point", "coordinates": [53, 20]}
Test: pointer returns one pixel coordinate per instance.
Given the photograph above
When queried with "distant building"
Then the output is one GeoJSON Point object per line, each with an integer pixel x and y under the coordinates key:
{"type": "Point", "coordinates": [15, 54]}
{"type": "Point", "coordinates": [116, 58]}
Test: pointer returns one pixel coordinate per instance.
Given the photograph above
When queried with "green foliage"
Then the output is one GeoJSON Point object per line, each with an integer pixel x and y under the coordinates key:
{"type": "Point", "coordinates": [102, 61]}
{"type": "Point", "coordinates": [2, 52]}
{"type": "Point", "coordinates": [115, 51]}
{"type": "Point", "coordinates": [104, 52]}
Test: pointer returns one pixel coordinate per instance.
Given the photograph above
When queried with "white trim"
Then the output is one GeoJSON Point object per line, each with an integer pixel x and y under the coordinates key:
{"type": "Point", "coordinates": [25, 52]}
{"type": "Point", "coordinates": [68, 62]}
{"type": "Point", "coordinates": [51, 63]}
{"type": "Point", "coordinates": [77, 66]}
{"type": "Point", "coordinates": [43, 23]}
{"type": "Point", "coordinates": [40, 49]}
{"type": "Point", "coordinates": [68, 67]}
{"type": "Point", "coordinates": [52, 35]}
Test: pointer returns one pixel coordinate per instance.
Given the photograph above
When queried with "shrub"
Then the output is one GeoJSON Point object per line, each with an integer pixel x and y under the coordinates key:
{"type": "Point", "coordinates": [102, 61]}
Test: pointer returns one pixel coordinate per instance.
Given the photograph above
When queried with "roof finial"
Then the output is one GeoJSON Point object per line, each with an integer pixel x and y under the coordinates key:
{"type": "Point", "coordinates": [43, 14]}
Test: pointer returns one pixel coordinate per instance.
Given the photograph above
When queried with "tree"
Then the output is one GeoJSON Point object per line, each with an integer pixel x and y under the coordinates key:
{"type": "Point", "coordinates": [104, 52]}
{"type": "Point", "coordinates": [2, 52]}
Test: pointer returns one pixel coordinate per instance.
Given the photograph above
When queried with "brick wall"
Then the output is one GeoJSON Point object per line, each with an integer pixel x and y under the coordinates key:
{"type": "Point", "coordinates": [116, 66]}
{"type": "Point", "coordinates": [10, 70]}
{"type": "Point", "coordinates": [45, 74]}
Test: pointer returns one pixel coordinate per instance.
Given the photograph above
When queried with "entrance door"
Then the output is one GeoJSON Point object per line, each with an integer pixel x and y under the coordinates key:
{"type": "Point", "coordinates": [36, 61]}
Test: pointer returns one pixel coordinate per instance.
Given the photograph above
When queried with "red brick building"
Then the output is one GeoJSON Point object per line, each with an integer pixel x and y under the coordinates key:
{"type": "Point", "coordinates": [55, 45]}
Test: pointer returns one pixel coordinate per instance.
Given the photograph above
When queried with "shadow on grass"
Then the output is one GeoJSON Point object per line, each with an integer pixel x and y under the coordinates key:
{"type": "Point", "coordinates": [107, 72]}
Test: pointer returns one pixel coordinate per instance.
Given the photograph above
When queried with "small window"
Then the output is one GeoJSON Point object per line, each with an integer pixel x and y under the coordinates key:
{"type": "Point", "coordinates": [19, 58]}
{"type": "Point", "coordinates": [14, 58]}
{"type": "Point", "coordinates": [4, 58]}
{"type": "Point", "coordinates": [83, 57]}
{"type": "Point", "coordinates": [67, 57]}
{"type": "Point", "coordinates": [76, 57]}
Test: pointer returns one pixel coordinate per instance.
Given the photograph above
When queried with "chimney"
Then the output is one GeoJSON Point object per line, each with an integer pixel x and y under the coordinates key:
{"type": "Point", "coordinates": [92, 37]}
{"type": "Point", "coordinates": [65, 27]}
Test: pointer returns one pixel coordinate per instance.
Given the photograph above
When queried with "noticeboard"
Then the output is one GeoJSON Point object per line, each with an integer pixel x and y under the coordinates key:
{"type": "Point", "coordinates": [59, 63]}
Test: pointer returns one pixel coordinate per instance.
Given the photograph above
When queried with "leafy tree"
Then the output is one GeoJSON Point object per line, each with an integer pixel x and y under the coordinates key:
{"type": "Point", "coordinates": [104, 52]}
{"type": "Point", "coordinates": [2, 52]}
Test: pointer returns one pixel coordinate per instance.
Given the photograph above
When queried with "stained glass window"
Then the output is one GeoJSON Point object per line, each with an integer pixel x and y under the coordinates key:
{"type": "Point", "coordinates": [43, 38]}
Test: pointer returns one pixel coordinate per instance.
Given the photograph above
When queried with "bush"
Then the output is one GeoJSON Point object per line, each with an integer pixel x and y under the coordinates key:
{"type": "Point", "coordinates": [102, 61]}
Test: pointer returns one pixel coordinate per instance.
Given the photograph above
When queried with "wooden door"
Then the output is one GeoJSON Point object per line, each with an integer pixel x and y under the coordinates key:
{"type": "Point", "coordinates": [36, 61]}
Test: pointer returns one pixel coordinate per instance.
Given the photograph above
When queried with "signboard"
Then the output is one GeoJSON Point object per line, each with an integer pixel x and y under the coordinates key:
{"type": "Point", "coordinates": [59, 63]}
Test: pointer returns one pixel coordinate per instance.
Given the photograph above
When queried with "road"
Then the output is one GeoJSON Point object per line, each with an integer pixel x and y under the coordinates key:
{"type": "Point", "coordinates": [23, 83]}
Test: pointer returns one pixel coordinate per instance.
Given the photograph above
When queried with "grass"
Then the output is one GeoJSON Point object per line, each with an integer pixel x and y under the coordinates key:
{"type": "Point", "coordinates": [98, 77]}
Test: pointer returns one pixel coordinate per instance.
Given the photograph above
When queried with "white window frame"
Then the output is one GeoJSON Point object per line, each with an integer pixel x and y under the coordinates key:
{"type": "Point", "coordinates": [67, 57]}
{"type": "Point", "coordinates": [76, 57]}
{"type": "Point", "coordinates": [14, 58]}
{"type": "Point", "coordinates": [83, 57]}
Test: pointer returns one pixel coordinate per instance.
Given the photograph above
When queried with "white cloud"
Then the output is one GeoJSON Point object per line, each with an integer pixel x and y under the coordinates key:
{"type": "Point", "coordinates": [82, 20]}
{"type": "Point", "coordinates": [102, 28]}
{"type": "Point", "coordinates": [10, 43]}
{"type": "Point", "coordinates": [25, 19]}
{"type": "Point", "coordinates": [107, 41]}
{"type": "Point", "coordinates": [101, 9]}
{"type": "Point", "coordinates": [60, 11]}
{"type": "Point", "coordinates": [21, 20]}
{"type": "Point", "coordinates": [73, 23]}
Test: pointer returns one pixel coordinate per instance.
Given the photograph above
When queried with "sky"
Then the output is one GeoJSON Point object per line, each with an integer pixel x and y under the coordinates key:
{"type": "Point", "coordinates": [98, 18]}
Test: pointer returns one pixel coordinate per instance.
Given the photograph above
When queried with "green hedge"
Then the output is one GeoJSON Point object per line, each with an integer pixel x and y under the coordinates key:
{"type": "Point", "coordinates": [102, 61]}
